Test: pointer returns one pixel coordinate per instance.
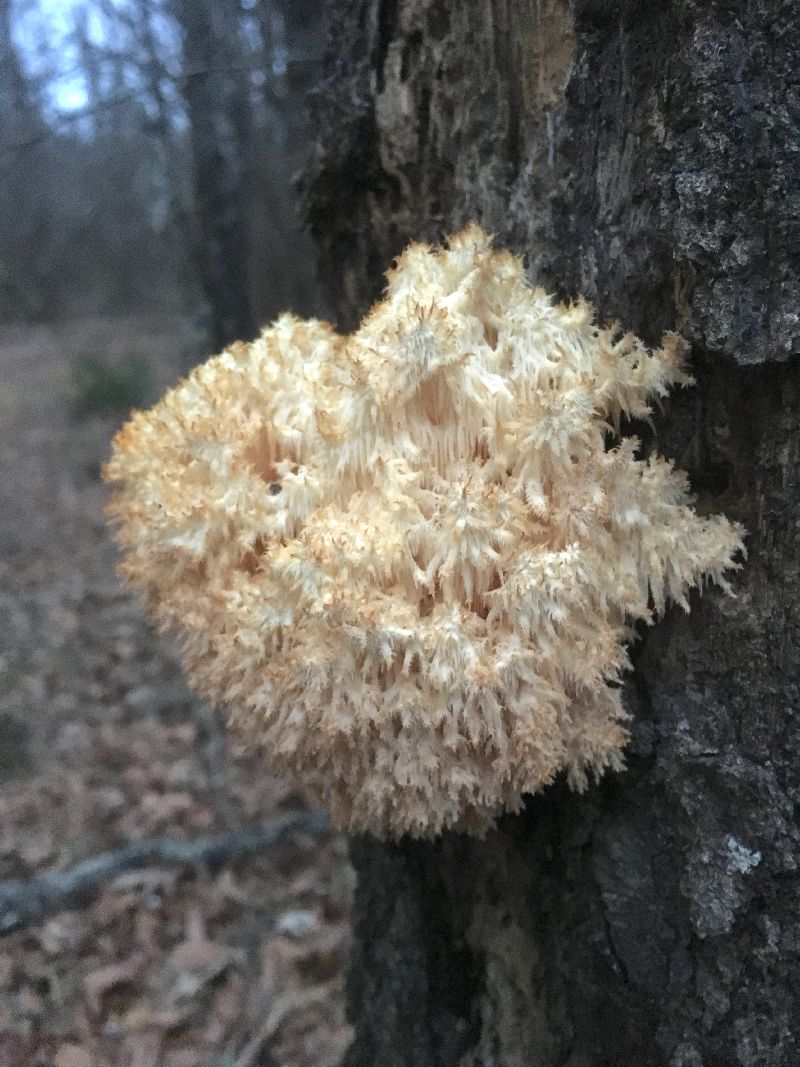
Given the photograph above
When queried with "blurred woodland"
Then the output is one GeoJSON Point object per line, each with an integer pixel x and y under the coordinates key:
{"type": "Point", "coordinates": [147, 150]}
{"type": "Point", "coordinates": [147, 216]}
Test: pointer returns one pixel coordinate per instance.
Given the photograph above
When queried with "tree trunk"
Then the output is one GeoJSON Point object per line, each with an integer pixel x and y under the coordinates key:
{"type": "Point", "coordinates": [644, 154]}
{"type": "Point", "coordinates": [284, 256]}
{"type": "Point", "coordinates": [215, 89]}
{"type": "Point", "coordinates": [20, 117]}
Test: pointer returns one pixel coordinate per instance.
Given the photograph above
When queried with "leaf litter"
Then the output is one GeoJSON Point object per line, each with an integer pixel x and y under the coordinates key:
{"type": "Point", "coordinates": [102, 746]}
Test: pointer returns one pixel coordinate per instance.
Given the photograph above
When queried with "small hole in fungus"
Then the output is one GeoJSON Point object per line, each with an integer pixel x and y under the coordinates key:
{"type": "Point", "coordinates": [275, 488]}
{"type": "Point", "coordinates": [425, 606]}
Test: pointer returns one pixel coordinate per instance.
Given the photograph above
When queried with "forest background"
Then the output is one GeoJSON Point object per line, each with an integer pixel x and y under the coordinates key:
{"type": "Point", "coordinates": [148, 215]}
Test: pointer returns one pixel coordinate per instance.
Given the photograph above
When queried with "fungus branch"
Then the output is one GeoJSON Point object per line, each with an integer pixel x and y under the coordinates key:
{"type": "Point", "coordinates": [25, 903]}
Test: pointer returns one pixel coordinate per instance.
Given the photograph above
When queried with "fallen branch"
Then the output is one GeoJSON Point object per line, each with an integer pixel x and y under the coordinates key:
{"type": "Point", "coordinates": [24, 903]}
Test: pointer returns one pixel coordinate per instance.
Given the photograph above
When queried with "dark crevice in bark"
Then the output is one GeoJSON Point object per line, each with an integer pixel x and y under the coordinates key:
{"type": "Point", "coordinates": [506, 56]}
{"type": "Point", "coordinates": [413, 969]}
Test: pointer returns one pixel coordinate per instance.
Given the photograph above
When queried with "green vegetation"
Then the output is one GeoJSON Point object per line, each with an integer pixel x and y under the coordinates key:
{"type": "Point", "coordinates": [101, 387]}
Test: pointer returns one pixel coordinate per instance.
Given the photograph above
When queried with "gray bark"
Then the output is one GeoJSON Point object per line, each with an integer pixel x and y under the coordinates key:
{"type": "Point", "coordinates": [644, 154]}
{"type": "Point", "coordinates": [216, 91]}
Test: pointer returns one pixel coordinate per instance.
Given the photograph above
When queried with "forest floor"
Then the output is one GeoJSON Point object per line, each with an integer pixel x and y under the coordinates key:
{"type": "Point", "coordinates": [101, 744]}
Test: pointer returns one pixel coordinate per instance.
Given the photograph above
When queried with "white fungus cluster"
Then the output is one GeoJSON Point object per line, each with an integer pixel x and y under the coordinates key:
{"type": "Point", "coordinates": [407, 560]}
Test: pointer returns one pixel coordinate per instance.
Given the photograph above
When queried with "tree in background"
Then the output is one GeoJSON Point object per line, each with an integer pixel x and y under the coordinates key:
{"type": "Point", "coordinates": [23, 212]}
{"type": "Point", "coordinates": [215, 88]}
{"type": "Point", "coordinates": [81, 229]}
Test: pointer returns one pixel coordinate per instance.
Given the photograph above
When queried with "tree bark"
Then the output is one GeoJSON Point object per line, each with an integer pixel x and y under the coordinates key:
{"type": "Point", "coordinates": [215, 89]}
{"type": "Point", "coordinates": [645, 154]}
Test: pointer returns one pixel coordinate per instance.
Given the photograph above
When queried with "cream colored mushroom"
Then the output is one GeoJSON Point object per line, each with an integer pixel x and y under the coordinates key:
{"type": "Point", "coordinates": [407, 560]}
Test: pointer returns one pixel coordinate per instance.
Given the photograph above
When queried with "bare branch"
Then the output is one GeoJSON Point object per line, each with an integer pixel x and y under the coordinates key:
{"type": "Point", "coordinates": [25, 903]}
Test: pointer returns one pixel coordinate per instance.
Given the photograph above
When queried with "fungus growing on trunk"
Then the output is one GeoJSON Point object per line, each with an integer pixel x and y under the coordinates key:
{"type": "Point", "coordinates": [407, 560]}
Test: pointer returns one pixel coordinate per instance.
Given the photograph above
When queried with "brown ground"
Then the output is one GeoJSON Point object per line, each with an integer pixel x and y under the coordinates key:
{"type": "Point", "coordinates": [100, 743]}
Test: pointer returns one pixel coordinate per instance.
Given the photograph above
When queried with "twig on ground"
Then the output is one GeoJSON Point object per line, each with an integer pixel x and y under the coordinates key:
{"type": "Point", "coordinates": [24, 903]}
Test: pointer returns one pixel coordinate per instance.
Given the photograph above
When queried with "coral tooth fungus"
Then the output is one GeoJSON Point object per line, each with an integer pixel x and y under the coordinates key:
{"type": "Point", "coordinates": [407, 560]}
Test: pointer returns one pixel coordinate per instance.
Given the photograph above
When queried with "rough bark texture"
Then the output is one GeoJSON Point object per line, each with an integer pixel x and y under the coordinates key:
{"type": "Point", "coordinates": [645, 154]}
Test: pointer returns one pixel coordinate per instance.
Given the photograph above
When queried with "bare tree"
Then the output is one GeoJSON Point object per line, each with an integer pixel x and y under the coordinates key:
{"type": "Point", "coordinates": [21, 128]}
{"type": "Point", "coordinates": [172, 186]}
{"type": "Point", "coordinates": [15, 101]}
{"type": "Point", "coordinates": [215, 88]}
{"type": "Point", "coordinates": [80, 225]}
{"type": "Point", "coordinates": [286, 67]}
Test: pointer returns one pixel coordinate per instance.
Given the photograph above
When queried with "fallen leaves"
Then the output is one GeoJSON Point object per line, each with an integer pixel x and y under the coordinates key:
{"type": "Point", "coordinates": [101, 981]}
{"type": "Point", "coordinates": [167, 968]}
{"type": "Point", "coordinates": [72, 1056]}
